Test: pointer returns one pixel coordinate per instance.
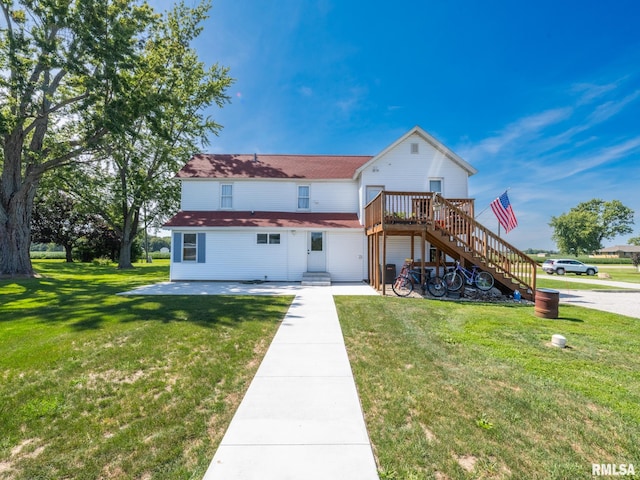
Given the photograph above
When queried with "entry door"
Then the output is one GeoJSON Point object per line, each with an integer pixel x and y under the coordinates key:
{"type": "Point", "coordinates": [316, 253]}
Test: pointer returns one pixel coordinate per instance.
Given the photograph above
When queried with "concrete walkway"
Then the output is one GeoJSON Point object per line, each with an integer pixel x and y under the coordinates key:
{"type": "Point", "coordinates": [301, 416]}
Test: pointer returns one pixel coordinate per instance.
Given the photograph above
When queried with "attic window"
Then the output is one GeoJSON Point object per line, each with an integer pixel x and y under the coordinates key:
{"type": "Point", "coordinates": [414, 148]}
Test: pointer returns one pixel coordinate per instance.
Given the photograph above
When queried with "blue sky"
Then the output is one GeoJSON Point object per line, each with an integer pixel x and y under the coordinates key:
{"type": "Point", "coordinates": [541, 97]}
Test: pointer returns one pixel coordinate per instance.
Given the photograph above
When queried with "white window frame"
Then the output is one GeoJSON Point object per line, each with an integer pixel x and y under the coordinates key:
{"type": "Point", "coordinates": [269, 238]}
{"type": "Point", "coordinates": [371, 188]}
{"type": "Point", "coordinates": [192, 246]}
{"type": "Point", "coordinates": [301, 197]}
{"type": "Point", "coordinates": [437, 179]}
{"type": "Point", "coordinates": [226, 198]}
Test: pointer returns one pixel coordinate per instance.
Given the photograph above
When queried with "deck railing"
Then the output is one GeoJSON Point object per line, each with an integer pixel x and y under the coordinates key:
{"type": "Point", "coordinates": [409, 208]}
{"type": "Point", "coordinates": [492, 249]}
{"type": "Point", "coordinates": [455, 218]}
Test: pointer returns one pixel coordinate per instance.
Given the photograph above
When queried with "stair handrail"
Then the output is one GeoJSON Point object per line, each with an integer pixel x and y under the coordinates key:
{"type": "Point", "coordinates": [490, 239]}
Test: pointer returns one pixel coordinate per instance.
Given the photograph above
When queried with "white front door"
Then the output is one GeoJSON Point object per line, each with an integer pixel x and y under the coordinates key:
{"type": "Point", "coordinates": [316, 252]}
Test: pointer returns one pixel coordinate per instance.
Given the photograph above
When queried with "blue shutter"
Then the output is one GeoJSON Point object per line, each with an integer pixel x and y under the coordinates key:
{"type": "Point", "coordinates": [202, 247]}
{"type": "Point", "coordinates": [177, 247]}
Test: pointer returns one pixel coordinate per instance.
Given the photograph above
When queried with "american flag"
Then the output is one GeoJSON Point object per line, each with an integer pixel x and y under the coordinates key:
{"type": "Point", "coordinates": [502, 208]}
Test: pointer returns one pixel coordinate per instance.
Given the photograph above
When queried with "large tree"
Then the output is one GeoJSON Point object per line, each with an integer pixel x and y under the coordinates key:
{"type": "Point", "coordinates": [136, 166]}
{"type": "Point", "coordinates": [584, 227]}
{"type": "Point", "coordinates": [64, 86]}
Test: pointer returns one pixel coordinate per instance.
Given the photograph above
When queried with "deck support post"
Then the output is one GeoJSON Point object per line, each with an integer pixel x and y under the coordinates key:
{"type": "Point", "coordinates": [423, 253]}
{"type": "Point", "coordinates": [384, 260]}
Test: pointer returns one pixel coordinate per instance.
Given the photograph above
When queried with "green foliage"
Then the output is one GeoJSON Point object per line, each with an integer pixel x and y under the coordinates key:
{"type": "Point", "coordinates": [634, 241]}
{"type": "Point", "coordinates": [99, 80]}
{"type": "Point", "coordinates": [585, 226]}
{"type": "Point", "coordinates": [174, 89]}
{"type": "Point", "coordinates": [483, 422]}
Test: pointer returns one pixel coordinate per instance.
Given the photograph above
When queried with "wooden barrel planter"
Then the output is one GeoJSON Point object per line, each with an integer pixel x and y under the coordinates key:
{"type": "Point", "coordinates": [546, 304]}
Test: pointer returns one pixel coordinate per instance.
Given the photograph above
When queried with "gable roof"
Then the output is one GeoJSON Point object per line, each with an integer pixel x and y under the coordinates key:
{"type": "Point", "coordinates": [263, 219]}
{"type": "Point", "coordinates": [272, 166]}
{"type": "Point", "coordinates": [441, 147]}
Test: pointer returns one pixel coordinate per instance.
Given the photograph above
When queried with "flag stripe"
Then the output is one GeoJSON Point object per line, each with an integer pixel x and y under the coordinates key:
{"type": "Point", "coordinates": [503, 210]}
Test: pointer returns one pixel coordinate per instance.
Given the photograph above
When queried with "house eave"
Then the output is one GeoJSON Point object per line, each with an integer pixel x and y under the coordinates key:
{"type": "Point", "coordinates": [442, 148]}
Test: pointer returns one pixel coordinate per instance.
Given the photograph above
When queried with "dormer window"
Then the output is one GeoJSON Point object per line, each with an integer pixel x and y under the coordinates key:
{"type": "Point", "coordinates": [414, 148]}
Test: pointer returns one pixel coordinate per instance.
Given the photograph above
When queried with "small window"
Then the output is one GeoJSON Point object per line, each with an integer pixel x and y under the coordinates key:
{"type": "Point", "coordinates": [372, 191]}
{"type": "Point", "coordinates": [435, 186]}
{"type": "Point", "coordinates": [303, 197]}
{"type": "Point", "coordinates": [274, 238]}
{"type": "Point", "coordinates": [268, 238]}
{"type": "Point", "coordinates": [414, 148]}
{"type": "Point", "coordinates": [190, 247]}
{"type": "Point", "coordinates": [226, 196]}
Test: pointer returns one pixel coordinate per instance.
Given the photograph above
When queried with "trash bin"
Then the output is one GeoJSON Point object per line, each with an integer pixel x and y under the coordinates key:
{"type": "Point", "coordinates": [389, 272]}
{"type": "Point", "coordinates": [546, 305]}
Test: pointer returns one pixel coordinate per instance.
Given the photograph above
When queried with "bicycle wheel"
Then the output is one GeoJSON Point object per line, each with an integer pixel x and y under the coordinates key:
{"type": "Point", "coordinates": [484, 281]}
{"type": "Point", "coordinates": [453, 281]}
{"type": "Point", "coordinates": [436, 286]}
{"type": "Point", "coordinates": [402, 286]}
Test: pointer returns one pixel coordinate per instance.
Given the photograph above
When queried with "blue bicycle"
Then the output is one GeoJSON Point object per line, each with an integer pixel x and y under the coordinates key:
{"type": "Point", "coordinates": [456, 278]}
{"type": "Point", "coordinates": [404, 283]}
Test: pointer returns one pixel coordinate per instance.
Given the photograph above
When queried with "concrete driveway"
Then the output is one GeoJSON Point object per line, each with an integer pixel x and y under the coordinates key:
{"type": "Point", "coordinates": [625, 300]}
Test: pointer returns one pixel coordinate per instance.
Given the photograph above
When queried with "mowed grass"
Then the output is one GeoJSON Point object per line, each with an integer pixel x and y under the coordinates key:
{"type": "Point", "coordinates": [463, 390]}
{"type": "Point", "coordinates": [94, 385]}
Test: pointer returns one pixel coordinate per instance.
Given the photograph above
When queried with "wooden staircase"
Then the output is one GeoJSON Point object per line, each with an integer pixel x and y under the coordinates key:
{"type": "Point", "coordinates": [447, 226]}
{"type": "Point", "coordinates": [461, 236]}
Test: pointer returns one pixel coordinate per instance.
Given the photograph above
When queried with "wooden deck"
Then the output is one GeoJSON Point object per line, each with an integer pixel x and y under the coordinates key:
{"type": "Point", "coordinates": [449, 226]}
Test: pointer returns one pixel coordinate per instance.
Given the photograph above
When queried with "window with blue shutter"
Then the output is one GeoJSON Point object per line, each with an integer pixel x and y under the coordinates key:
{"type": "Point", "coordinates": [177, 247]}
{"type": "Point", "coordinates": [202, 247]}
{"type": "Point", "coordinates": [189, 247]}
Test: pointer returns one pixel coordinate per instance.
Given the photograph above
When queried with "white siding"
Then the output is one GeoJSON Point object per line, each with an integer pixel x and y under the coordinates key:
{"type": "Point", "coordinates": [272, 196]}
{"type": "Point", "coordinates": [200, 195]}
{"type": "Point", "coordinates": [400, 170]}
{"type": "Point", "coordinates": [235, 255]}
{"type": "Point", "coordinates": [345, 256]}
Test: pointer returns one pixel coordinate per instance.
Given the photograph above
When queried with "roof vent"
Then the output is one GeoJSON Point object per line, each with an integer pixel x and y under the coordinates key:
{"type": "Point", "coordinates": [255, 157]}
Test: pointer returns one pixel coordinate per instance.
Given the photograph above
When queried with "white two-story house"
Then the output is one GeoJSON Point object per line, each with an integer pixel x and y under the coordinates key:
{"type": "Point", "coordinates": [275, 217]}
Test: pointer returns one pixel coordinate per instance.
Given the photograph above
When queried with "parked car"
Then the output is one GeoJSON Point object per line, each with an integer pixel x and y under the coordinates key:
{"type": "Point", "coordinates": [562, 266]}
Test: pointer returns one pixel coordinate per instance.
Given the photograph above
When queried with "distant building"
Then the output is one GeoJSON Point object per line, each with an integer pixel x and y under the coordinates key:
{"type": "Point", "coordinates": [618, 251]}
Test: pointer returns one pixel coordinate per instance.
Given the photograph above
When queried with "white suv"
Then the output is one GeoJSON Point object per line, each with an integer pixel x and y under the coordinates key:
{"type": "Point", "coordinates": [562, 266]}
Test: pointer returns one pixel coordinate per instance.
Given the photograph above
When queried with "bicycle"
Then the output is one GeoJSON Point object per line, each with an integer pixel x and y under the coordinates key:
{"type": "Point", "coordinates": [456, 278]}
{"type": "Point", "coordinates": [404, 283]}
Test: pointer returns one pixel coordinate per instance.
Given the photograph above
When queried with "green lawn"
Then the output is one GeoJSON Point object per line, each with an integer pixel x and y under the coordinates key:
{"type": "Point", "coordinates": [95, 385]}
{"type": "Point", "coordinates": [462, 390]}
{"type": "Point", "coordinates": [618, 273]}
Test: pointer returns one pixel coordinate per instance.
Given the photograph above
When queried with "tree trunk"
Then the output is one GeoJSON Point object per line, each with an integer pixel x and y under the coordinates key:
{"type": "Point", "coordinates": [16, 206]}
{"type": "Point", "coordinates": [15, 234]}
{"type": "Point", "coordinates": [129, 230]}
{"type": "Point", "coordinates": [67, 251]}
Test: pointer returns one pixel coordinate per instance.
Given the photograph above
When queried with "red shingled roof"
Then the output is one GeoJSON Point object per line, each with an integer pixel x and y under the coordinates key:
{"type": "Point", "coordinates": [263, 219]}
{"type": "Point", "coordinates": [272, 166]}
